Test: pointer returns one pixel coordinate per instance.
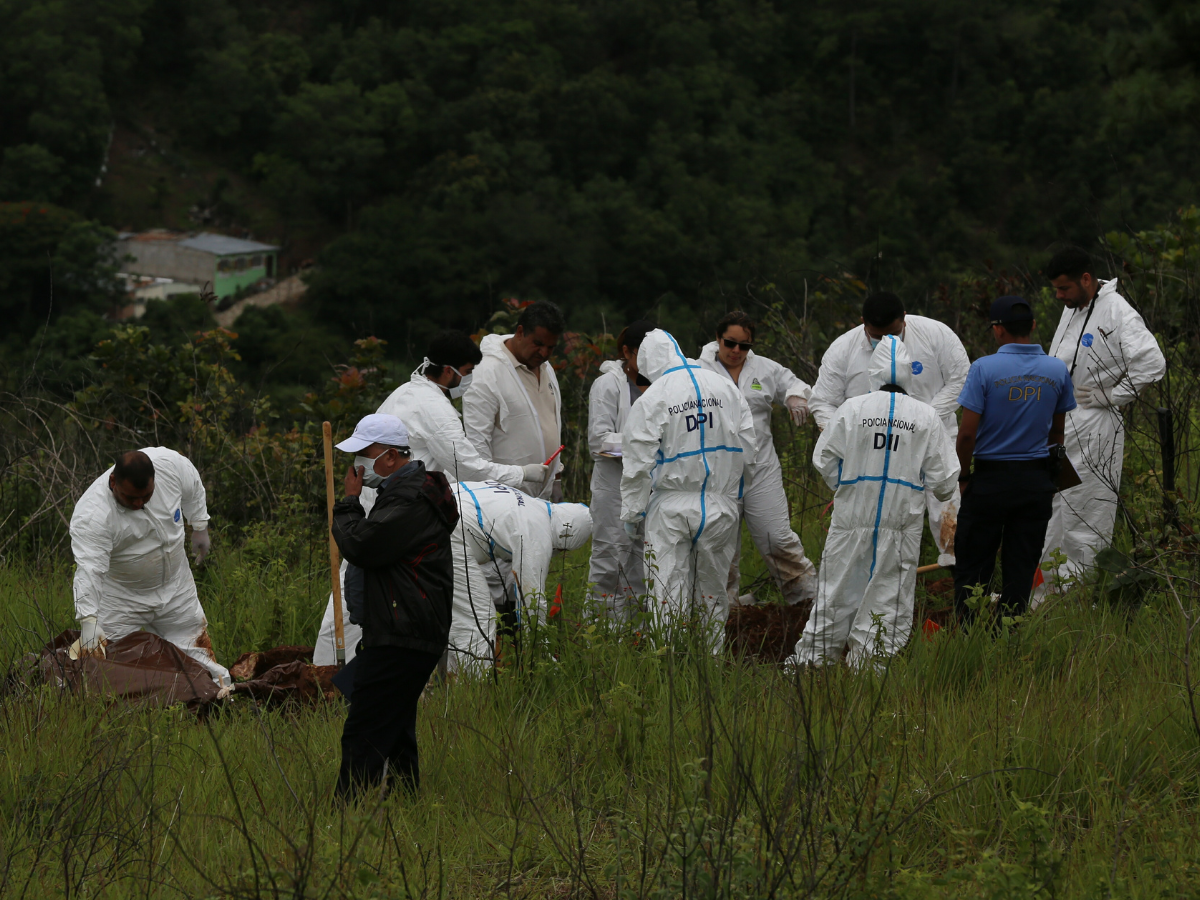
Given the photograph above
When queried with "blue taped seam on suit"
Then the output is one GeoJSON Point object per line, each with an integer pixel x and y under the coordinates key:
{"type": "Point", "coordinates": [703, 454]}
{"type": "Point", "coordinates": [492, 543]}
{"type": "Point", "coordinates": [702, 450]}
{"type": "Point", "coordinates": [887, 459]}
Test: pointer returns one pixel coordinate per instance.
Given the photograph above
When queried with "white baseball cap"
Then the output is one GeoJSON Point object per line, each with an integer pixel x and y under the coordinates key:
{"type": "Point", "coordinates": [377, 428]}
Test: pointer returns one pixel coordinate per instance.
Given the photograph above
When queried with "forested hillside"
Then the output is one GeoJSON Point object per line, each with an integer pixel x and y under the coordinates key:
{"type": "Point", "coordinates": [617, 156]}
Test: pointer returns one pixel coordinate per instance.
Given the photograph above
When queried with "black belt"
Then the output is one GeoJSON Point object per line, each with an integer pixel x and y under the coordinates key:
{"type": "Point", "coordinates": [1011, 465]}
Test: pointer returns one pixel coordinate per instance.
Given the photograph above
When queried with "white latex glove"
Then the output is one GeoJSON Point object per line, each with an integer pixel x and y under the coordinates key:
{"type": "Point", "coordinates": [91, 636]}
{"type": "Point", "coordinates": [798, 407]}
{"type": "Point", "coordinates": [1093, 397]}
{"type": "Point", "coordinates": [201, 544]}
{"type": "Point", "coordinates": [535, 473]}
{"type": "Point", "coordinates": [632, 528]}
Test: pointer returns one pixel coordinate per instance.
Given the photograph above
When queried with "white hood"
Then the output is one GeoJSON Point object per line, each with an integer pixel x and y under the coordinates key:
{"type": "Point", "coordinates": [570, 524]}
{"type": "Point", "coordinates": [493, 345]}
{"type": "Point", "coordinates": [612, 365]}
{"type": "Point", "coordinates": [659, 352]}
{"type": "Point", "coordinates": [890, 364]}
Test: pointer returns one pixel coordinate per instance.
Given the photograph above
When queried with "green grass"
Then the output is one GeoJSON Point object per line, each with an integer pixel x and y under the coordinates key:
{"type": "Point", "coordinates": [1056, 760]}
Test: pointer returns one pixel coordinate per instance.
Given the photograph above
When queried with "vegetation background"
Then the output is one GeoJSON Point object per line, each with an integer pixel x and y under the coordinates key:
{"type": "Point", "coordinates": [439, 163]}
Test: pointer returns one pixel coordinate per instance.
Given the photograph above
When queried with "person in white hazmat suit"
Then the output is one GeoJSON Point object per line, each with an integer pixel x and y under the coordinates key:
{"type": "Point", "coordinates": [512, 412]}
{"type": "Point", "coordinates": [131, 570]}
{"type": "Point", "coordinates": [437, 439]}
{"type": "Point", "coordinates": [615, 571]}
{"type": "Point", "coordinates": [499, 523]}
{"type": "Point", "coordinates": [687, 446]}
{"type": "Point", "coordinates": [881, 452]}
{"type": "Point", "coordinates": [764, 382]}
{"type": "Point", "coordinates": [1111, 357]}
{"type": "Point", "coordinates": [939, 370]}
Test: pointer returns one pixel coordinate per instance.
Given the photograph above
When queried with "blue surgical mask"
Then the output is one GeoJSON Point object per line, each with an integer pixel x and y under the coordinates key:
{"type": "Point", "coordinates": [874, 341]}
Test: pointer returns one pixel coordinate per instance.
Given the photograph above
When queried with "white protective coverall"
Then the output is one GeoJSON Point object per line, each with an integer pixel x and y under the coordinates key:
{"type": "Point", "coordinates": [689, 439]}
{"type": "Point", "coordinates": [939, 369]}
{"type": "Point", "coordinates": [500, 418]}
{"type": "Point", "coordinates": [501, 523]}
{"type": "Point", "coordinates": [131, 569]}
{"type": "Point", "coordinates": [881, 452]}
{"type": "Point", "coordinates": [436, 437]}
{"type": "Point", "coordinates": [764, 382]}
{"type": "Point", "coordinates": [1111, 356]}
{"type": "Point", "coordinates": [616, 565]}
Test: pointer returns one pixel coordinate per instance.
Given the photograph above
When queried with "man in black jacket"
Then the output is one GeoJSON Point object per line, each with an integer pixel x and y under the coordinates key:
{"type": "Point", "coordinates": [402, 552]}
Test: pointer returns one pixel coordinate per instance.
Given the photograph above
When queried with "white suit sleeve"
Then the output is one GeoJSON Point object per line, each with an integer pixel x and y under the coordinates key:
{"type": "Point", "coordinates": [941, 464]}
{"type": "Point", "coordinates": [831, 450]}
{"type": "Point", "coordinates": [639, 446]}
{"type": "Point", "coordinates": [531, 565]}
{"type": "Point", "coordinates": [448, 444]}
{"type": "Point", "coordinates": [788, 385]}
{"type": "Point", "coordinates": [194, 499]}
{"type": "Point", "coordinates": [1144, 361]}
{"type": "Point", "coordinates": [954, 363]}
{"type": "Point", "coordinates": [603, 406]}
{"type": "Point", "coordinates": [91, 545]}
{"type": "Point", "coordinates": [830, 390]}
{"type": "Point", "coordinates": [481, 402]}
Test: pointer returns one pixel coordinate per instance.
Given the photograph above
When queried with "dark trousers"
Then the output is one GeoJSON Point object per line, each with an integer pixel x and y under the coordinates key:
{"type": "Point", "coordinates": [1006, 512]}
{"type": "Point", "coordinates": [381, 727]}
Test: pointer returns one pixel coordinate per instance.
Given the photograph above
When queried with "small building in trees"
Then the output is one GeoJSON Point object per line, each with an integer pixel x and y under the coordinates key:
{"type": "Point", "coordinates": [227, 264]}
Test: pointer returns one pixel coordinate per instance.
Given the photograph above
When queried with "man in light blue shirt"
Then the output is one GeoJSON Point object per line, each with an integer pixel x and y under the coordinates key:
{"type": "Point", "coordinates": [1014, 404]}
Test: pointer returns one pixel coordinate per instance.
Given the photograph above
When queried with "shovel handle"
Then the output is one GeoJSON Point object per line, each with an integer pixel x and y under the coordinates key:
{"type": "Point", "coordinates": [335, 564]}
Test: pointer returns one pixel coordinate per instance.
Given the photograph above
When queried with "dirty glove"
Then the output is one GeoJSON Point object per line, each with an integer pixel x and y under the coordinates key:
{"type": "Point", "coordinates": [535, 473]}
{"type": "Point", "coordinates": [632, 528]}
{"type": "Point", "coordinates": [1093, 397]}
{"type": "Point", "coordinates": [201, 544]}
{"type": "Point", "coordinates": [798, 407]}
{"type": "Point", "coordinates": [91, 636]}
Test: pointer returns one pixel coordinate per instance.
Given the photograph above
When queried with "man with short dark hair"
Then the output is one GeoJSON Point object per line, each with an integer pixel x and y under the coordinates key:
{"type": "Point", "coordinates": [1014, 404]}
{"type": "Point", "coordinates": [399, 586]}
{"type": "Point", "coordinates": [939, 368]}
{"type": "Point", "coordinates": [512, 410]}
{"type": "Point", "coordinates": [1111, 357]}
{"type": "Point", "coordinates": [131, 571]}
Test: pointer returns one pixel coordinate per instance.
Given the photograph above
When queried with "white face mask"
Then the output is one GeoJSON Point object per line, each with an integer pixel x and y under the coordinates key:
{"type": "Point", "coordinates": [371, 478]}
{"type": "Point", "coordinates": [459, 389]}
{"type": "Point", "coordinates": [874, 341]}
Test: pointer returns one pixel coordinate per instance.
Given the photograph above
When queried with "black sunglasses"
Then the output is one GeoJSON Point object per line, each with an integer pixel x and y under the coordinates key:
{"type": "Point", "coordinates": [730, 343]}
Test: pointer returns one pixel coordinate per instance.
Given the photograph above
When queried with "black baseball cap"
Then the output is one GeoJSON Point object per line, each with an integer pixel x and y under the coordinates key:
{"type": "Point", "coordinates": [1010, 309]}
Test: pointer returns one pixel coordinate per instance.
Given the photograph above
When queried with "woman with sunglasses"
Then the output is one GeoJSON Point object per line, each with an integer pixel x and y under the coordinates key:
{"type": "Point", "coordinates": [764, 382]}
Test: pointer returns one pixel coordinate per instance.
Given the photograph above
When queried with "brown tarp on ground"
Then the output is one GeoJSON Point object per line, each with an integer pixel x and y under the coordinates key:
{"type": "Point", "coordinates": [140, 666]}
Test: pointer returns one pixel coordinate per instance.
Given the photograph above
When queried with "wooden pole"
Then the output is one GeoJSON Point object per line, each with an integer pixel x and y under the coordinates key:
{"type": "Point", "coordinates": [335, 564]}
{"type": "Point", "coordinates": [932, 567]}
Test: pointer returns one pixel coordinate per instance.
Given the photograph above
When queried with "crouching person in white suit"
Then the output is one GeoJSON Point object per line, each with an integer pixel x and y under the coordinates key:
{"type": "Point", "coordinates": [881, 452]}
{"type": "Point", "coordinates": [131, 570]}
{"type": "Point", "coordinates": [498, 523]}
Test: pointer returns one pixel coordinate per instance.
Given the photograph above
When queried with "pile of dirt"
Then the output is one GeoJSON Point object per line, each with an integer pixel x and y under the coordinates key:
{"type": "Point", "coordinates": [766, 633]}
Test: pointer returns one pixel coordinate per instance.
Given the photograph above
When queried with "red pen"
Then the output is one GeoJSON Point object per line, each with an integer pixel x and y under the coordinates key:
{"type": "Point", "coordinates": [554, 454]}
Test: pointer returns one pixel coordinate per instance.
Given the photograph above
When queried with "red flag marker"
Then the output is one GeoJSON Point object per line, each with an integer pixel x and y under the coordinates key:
{"type": "Point", "coordinates": [554, 454]}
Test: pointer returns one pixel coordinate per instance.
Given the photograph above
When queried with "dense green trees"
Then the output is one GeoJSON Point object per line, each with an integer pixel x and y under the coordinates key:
{"type": "Point", "coordinates": [617, 155]}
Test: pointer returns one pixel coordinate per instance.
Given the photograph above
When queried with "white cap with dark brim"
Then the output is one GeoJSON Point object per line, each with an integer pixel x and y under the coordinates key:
{"type": "Point", "coordinates": [377, 428]}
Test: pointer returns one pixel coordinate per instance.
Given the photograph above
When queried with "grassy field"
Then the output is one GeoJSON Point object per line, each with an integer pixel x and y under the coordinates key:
{"type": "Point", "coordinates": [1057, 759]}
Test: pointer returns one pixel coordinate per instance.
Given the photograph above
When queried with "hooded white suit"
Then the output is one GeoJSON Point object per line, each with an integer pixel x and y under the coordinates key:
{"type": "Point", "coordinates": [881, 452]}
{"type": "Point", "coordinates": [690, 438]}
{"type": "Point", "coordinates": [131, 570]}
{"type": "Point", "coordinates": [500, 418]}
{"type": "Point", "coordinates": [764, 382]}
{"type": "Point", "coordinates": [939, 369]}
{"type": "Point", "coordinates": [616, 565]}
{"type": "Point", "coordinates": [1111, 356]}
